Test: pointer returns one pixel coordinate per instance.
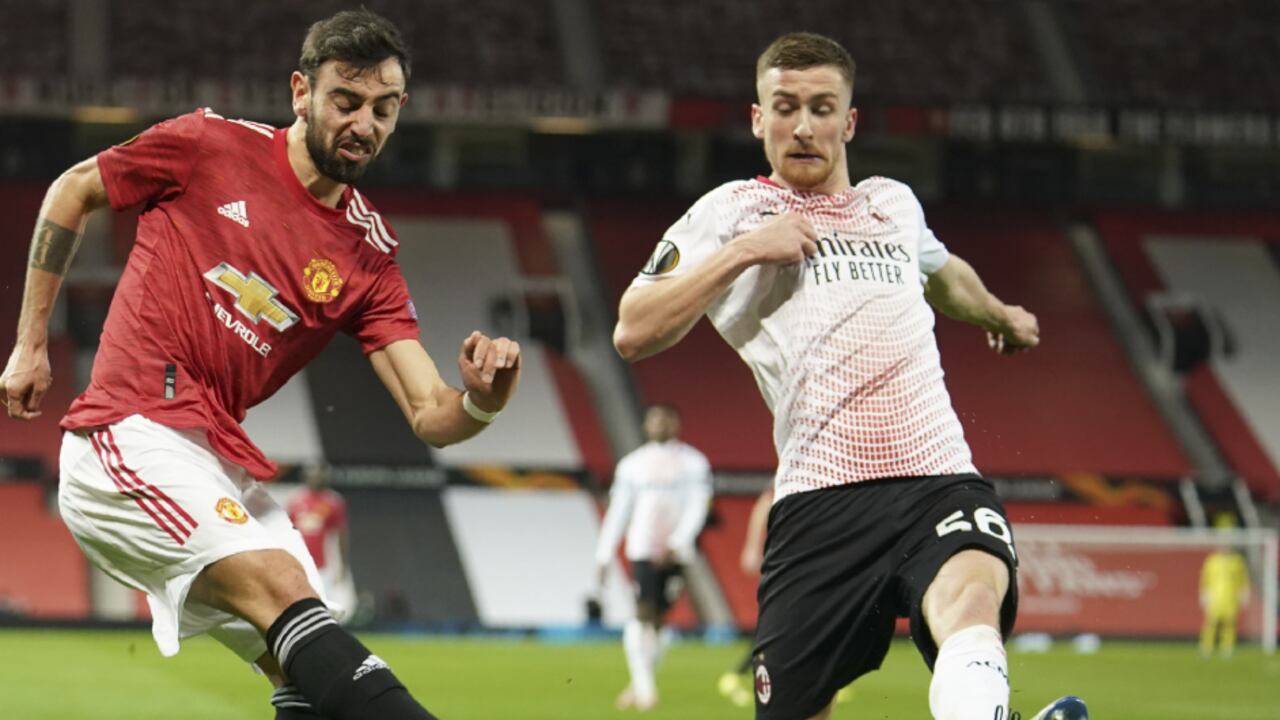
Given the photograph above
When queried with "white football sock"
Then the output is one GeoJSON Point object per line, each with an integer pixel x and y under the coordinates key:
{"type": "Point", "coordinates": [970, 677]}
{"type": "Point", "coordinates": [640, 641]}
{"type": "Point", "coordinates": [665, 637]}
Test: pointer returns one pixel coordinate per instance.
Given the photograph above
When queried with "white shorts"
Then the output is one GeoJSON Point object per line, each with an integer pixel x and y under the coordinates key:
{"type": "Point", "coordinates": [153, 506]}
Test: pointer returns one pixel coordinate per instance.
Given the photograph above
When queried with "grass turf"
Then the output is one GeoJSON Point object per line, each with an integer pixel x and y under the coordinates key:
{"type": "Point", "coordinates": [47, 674]}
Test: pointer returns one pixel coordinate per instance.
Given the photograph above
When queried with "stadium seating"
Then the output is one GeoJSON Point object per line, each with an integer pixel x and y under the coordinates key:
{"type": "Point", "coordinates": [1155, 251]}
{"type": "Point", "coordinates": [1179, 54]}
{"type": "Point", "coordinates": [481, 42]}
{"type": "Point", "coordinates": [40, 48]}
{"type": "Point", "coordinates": [933, 52]}
{"type": "Point", "coordinates": [1074, 403]}
{"type": "Point", "coordinates": [43, 574]}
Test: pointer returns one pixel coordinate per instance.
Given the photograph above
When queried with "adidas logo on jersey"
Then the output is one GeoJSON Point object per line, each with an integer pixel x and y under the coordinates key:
{"type": "Point", "coordinates": [370, 664]}
{"type": "Point", "coordinates": [235, 211]}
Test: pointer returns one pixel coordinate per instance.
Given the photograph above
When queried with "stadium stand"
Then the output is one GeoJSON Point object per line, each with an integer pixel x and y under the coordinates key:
{"type": "Point", "coordinates": [701, 49]}
{"type": "Point", "coordinates": [1074, 404]}
{"type": "Point", "coordinates": [502, 43]}
{"type": "Point", "coordinates": [427, 586]}
{"type": "Point", "coordinates": [1060, 513]}
{"type": "Point", "coordinates": [48, 577]}
{"type": "Point", "coordinates": [1179, 54]}
{"type": "Point", "coordinates": [1231, 395]}
{"type": "Point", "coordinates": [554, 553]}
{"type": "Point", "coordinates": [40, 50]}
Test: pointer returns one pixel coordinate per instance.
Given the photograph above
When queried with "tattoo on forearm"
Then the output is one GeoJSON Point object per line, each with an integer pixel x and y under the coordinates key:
{"type": "Point", "coordinates": [53, 246]}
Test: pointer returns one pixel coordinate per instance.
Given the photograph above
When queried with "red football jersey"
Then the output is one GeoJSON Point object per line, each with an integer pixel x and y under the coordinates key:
{"type": "Point", "coordinates": [316, 514]}
{"type": "Point", "coordinates": [238, 278]}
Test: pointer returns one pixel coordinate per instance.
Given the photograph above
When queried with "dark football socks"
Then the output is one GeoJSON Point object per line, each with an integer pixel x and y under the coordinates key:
{"type": "Point", "coordinates": [290, 705]}
{"type": "Point", "coordinates": [333, 671]}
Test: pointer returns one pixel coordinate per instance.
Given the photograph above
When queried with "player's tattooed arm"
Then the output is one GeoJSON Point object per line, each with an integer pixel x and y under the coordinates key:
{"type": "Point", "coordinates": [53, 247]}
{"type": "Point", "coordinates": [76, 193]}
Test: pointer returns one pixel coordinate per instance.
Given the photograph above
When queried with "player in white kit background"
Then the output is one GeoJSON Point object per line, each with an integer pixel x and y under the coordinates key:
{"type": "Point", "coordinates": [659, 498]}
{"type": "Point", "coordinates": [824, 289]}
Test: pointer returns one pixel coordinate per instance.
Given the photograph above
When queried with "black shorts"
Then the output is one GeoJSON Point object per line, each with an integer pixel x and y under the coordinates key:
{"type": "Point", "coordinates": [842, 564]}
{"type": "Point", "coordinates": [657, 586]}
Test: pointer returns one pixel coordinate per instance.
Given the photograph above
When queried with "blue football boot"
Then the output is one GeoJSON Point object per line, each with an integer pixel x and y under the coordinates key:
{"type": "Point", "coordinates": [1064, 708]}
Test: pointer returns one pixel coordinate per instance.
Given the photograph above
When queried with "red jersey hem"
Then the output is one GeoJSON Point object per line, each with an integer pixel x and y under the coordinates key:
{"type": "Point", "coordinates": [259, 468]}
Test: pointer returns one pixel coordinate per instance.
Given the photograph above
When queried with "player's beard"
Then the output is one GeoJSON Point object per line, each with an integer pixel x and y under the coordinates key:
{"type": "Point", "coordinates": [329, 162]}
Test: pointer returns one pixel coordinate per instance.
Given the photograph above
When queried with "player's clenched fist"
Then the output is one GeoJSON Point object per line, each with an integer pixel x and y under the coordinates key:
{"type": "Point", "coordinates": [1020, 331]}
{"type": "Point", "coordinates": [25, 380]}
{"type": "Point", "coordinates": [490, 369]}
{"type": "Point", "coordinates": [786, 239]}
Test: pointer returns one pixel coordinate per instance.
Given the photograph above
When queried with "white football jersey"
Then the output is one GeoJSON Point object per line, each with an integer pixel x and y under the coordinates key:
{"type": "Point", "coordinates": [660, 495]}
{"type": "Point", "coordinates": [841, 345]}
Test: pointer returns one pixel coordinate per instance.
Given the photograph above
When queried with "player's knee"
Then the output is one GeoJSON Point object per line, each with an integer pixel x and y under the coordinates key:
{"type": "Point", "coordinates": [955, 605]}
{"type": "Point", "coordinates": [980, 597]}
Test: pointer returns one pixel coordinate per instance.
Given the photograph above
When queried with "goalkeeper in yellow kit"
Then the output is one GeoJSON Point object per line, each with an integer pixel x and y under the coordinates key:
{"type": "Point", "coordinates": [1224, 588]}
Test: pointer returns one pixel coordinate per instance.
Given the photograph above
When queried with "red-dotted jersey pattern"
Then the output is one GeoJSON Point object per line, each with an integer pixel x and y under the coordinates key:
{"type": "Point", "coordinates": [841, 345]}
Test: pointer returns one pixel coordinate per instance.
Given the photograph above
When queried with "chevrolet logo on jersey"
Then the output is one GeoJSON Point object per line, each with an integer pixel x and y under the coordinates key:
{"type": "Point", "coordinates": [255, 297]}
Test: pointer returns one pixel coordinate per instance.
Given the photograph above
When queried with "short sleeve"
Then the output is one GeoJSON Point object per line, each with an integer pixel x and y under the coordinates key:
{"type": "Point", "coordinates": [388, 314]}
{"type": "Point", "coordinates": [933, 254]}
{"type": "Point", "coordinates": [153, 165]}
{"type": "Point", "coordinates": [686, 244]}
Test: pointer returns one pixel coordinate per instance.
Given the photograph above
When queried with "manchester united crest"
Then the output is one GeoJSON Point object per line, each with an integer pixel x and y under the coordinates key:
{"type": "Point", "coordinates": [321, 281]}
{"type": "Point", "coordinates": [231, 511]}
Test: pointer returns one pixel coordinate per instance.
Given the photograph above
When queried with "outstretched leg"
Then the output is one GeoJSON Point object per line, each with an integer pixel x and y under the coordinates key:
{"type": "Point", "coordinates": [332, 671]}
{"type": "Point", "coordinates": [962, 608]}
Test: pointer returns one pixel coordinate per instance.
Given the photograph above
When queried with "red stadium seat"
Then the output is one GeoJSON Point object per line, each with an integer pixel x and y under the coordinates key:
{"type": "Point", "coordinates": [43, 571]}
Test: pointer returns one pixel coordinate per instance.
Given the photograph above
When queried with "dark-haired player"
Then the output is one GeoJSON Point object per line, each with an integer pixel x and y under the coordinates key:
{"type": "Point", "coordinates": [253, 250]}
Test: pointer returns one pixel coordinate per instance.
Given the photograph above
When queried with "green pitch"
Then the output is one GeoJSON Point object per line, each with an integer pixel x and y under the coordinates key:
{"type": "Point", "coordinates": [48, 674]}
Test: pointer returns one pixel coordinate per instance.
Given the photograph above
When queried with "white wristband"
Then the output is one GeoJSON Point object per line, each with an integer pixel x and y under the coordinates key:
{"type": "Point", "coordinates": [474, 411]}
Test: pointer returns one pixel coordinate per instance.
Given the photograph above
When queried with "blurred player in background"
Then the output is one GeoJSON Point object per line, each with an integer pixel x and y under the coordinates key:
{"type": "Point", "coordinates": [253, 250]}
{"type": "Point", "coordinates": [824, 289]}
{"type": "Point", "coordinates": [661, 491]}
{"type": "Point", "coordinates": [1224, 589]}
{"type": "Point", "coordinates": [320, 515]}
